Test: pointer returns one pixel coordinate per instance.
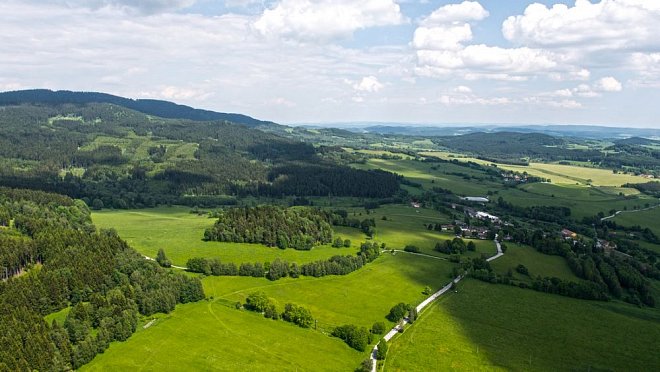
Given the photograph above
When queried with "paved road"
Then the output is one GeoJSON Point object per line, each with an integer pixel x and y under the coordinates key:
{"type": "Point", "coordinates": [427, 302]}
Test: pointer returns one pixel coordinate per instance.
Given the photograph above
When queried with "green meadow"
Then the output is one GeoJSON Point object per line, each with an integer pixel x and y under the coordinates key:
{"type": "Point", "coordinates": [214, 335]}
{"type": "Point", "coordinates": [179, 233]}
{"type": "Point", "coordinates": [583, 201]}
{"type": "Point", "coordinates": [537, 264]}
{"type": "Point", "coordinates": [649, 218]}
{"type": "Point", "coordinates": [486, 327]}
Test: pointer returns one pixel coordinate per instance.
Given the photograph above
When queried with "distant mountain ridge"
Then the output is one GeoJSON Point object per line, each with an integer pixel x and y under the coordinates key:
{"type": "Point", "coordinates": [576, 131]}
{"type": "Point", "coordinates": [160, 108]}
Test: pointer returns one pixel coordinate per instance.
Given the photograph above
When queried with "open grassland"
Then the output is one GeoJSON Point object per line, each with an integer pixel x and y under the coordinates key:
{"type": "Point", "coordinates": [583, 201]}
{"type": "Point", "coordinates": [362, 297]}
{"type": "Point", "coordinates": [537, 264]}
{"type": "Point", "coordinates": [180, 233]}
{"type": "Point", "coordinates": [213, 335]}
{"type": "Point", "coordinates": [649, 218]}
{"type": "Point", "coordinates": [431, 175]}
{"type": "Point", "coordinates": [487, 327]}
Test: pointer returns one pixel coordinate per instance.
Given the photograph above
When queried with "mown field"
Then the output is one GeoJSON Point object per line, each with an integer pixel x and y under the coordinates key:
{"type": "Point", "coordinates": [486, 327]}
{"type": "Point", "coordinates": [649, 218]}
{"type": "Point", "coordinates": [180, 233]}
{"type": "Point", "coordinates": [214, 335]}
{"type": "Point", "coordinates": [537, 264]}
{"type": "Point", "coordinates": [583, 201]}
{"type": "Point", "coordinates": [557, 173]}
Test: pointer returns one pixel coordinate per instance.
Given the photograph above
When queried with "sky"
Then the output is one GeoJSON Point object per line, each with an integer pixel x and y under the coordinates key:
{"type": "Point", "coordinates": [334, 61]}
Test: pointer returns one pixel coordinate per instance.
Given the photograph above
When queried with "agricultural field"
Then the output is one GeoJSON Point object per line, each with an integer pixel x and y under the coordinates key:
{"type": "Point", "coordinates": [215, 336]}
{"type": "Point", "coordinates": [179, 233]}
{"type": "Point", "coordinates": [487, 327]}
{"type": "Point", "coordinates": [537, 263]}
{"type": "Point", "coordinates": [213, 331]}
{"type": "Point", "coordinates": [649, 218]}
{"type": "Point", "coordinates": [583, 201]}
{"type": "Point", "coordinates": [444, 175]}
{"type": "Point", "coordinates": [557, 173]}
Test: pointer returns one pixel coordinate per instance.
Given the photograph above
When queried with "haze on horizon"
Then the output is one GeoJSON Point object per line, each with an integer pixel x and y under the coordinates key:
{"type": "Point", "coordinates": [305, 61]}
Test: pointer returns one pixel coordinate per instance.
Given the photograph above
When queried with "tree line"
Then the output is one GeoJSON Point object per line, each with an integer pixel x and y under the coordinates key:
{"type": "Point", "coordinates": [69, 265]}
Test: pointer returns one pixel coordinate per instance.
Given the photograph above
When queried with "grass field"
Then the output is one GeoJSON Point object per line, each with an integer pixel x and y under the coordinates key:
{"type": "Point", "coordinates": [583, 201]}
{"type": "Point", "coordinates": [537, 263]}
{"type": "Point", "coordinates": [486, 327]}
{"type": "Point", "coordinates": [362, 297]}
{"type": "Point", "coordinates": [557, 173]}
{"type": "Point", "coordinates": [180, 234]}
{"type": "Point", "coordinates": [424, 174]}
{"type": "Point", "coordinates": [214, 335]}
{"type": "Point", "coordinates": [650, 219]}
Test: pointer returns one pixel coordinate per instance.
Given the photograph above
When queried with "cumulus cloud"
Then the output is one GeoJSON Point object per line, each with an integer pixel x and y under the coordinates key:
{"type": "Point", "coordinates": [608, 84]}
{"type": "Point", "coordinates": [443, 48]}
{"type": "Point", "coordinates": [608, 24]}
{"type": "Point", "coordinates": [307, 20]}
{"type": "Point", "coordinates": [368, 84]}
{"type": "Point", "coordinates": [455, 13]}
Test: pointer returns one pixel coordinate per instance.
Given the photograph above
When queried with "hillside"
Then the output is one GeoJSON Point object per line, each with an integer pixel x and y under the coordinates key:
{"type": "Point", "coordinates": [163, 109]}
{"type": "Point", "coordinates": [113, 156]}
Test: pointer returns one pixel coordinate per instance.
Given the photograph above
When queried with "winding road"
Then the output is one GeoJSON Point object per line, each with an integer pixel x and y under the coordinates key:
{"type": "Point", "coordinates": [633, 211]}
{"type": "Point", "coordinates": [425, 303]}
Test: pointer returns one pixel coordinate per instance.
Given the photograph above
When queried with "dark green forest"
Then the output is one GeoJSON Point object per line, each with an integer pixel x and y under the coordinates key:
{"type": "Point", "coordinates": [111, 156]}
{"type": "Point", "coordinates": [52, 259]}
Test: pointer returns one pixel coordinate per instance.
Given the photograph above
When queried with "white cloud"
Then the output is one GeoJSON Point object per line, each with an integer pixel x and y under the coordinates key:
{"type": "Point", "coordinates": [307, 20]}
{"type": "Point", "coordinates": [462, 89]}
{"type": "Point", "coordinates": [455, 13]}
{"type": "Point", "coordinates": [608, 84]}
{"type": "Point", "coordinates": [368, 84]}
{"type": "Point", "coordinates": [608, 24]}
{"type": "Point", "coordinates": [442, 37]}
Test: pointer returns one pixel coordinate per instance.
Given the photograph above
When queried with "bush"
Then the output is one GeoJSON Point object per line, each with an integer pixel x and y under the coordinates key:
{"type": "Point", "coordinates": [356, 337]}
{"type": "Point", "coordinates": [411, 249]}
{"type": "Point", "coordinates": [398, 311]}
{"type": "Point", "coordinates": [382, 349]}
{"type": "Point", "coordinates": [378, 328]}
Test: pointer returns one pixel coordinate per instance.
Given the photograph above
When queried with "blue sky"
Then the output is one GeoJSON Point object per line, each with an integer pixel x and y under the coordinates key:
{"type": "Point", "coordinates": [315, 61]}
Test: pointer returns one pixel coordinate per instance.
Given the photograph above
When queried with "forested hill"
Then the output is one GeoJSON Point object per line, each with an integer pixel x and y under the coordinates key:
{"type": "Point", "coordinates": [163, 109]}
{"type": "Point", "coordinates": [512, 145]}
{"type": "Point", "coordinates": [111, 156]}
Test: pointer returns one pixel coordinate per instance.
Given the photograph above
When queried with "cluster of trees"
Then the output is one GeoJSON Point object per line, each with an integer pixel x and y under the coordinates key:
{"type": "Point", "coordinates": [620, 278]}
{"type": "Point", "coordinates": [401, 310]}
{"type": "Point", "coordinates": [560, 215]}
{"type": "Point", "coordinates": [98, 275]}
{"type": "Point", "coordinates": [479, 268]}
{"type": "Point", "coordinates": [336, 265]}
{"type": "Point", "coordinates": [300, 229]}
{"type": "Point", "coordinates": [341, 218]}
{"type": "Point", "coordinates": [298, 315]}
{"type": "Point", "coordinates": [455, 246]}
{"type": "Point", "coordinates": [356, 337]}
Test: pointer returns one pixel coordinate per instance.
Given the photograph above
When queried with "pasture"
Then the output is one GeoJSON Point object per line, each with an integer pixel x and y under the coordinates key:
{"type": "Point", "coordinates": [486, 327]}
{"type": "Point", "coordinates": [649, 218]}
{"type": "Point", "coordinates": [537, 264]}
{"type": "Point", "coordinates": [180, 233]}
{"type": "Point", "coordinates": [212, 334]}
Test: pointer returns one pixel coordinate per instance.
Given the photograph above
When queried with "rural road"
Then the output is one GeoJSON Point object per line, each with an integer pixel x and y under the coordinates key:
{"type": "Point", "coordinates": [416, 254]}
{"type": "Point", "coordinates": [633, 211]}
{"type": "Point", "coordinates": [174, 266]}
{"type": "Point", "coordinates": [425, 303]}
